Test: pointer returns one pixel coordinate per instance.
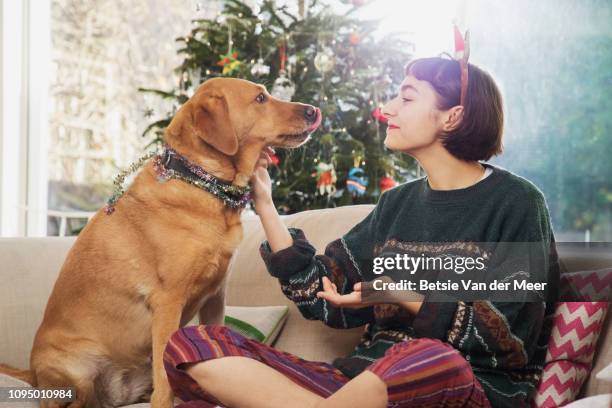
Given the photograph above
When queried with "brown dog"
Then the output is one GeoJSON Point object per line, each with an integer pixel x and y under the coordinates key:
{"type": "Point", "coordinates": [134, 277]}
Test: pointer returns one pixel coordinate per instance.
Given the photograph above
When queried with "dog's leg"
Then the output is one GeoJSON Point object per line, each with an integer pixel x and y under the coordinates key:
{"type": "Point", "coordinates": [213, 311]}
{"type": "Point", "coordinates": [54, 377]}
{"type": "Point", "coordinates": [166, 320]}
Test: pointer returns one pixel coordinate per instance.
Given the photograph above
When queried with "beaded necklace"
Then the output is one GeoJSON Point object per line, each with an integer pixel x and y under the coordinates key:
{"type": "Point", "coordinates": [171, 165]}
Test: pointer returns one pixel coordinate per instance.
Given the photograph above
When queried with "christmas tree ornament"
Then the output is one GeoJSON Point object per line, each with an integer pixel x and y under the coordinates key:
{"type": "Point", "coordinates": [283, 88]}
{"type": "Point", "coordinates": [378, 115]}
{"type": "Point", "coordinates": [259, 68]}
{"type": "Point", "coordinates": [386, 183]}
{"type": "Point", "coordinates": [326, 178]}
{"type": "Point", "coordinates": [229, 62]}
{"type": "Point", "coordinates": [325, 60]}
{"type": "Point", "coordinates": [356, 182]}
{"type": "Point", "coordinates": [354, 38]}
{"type": "Point", "coordinates": [275, 159]}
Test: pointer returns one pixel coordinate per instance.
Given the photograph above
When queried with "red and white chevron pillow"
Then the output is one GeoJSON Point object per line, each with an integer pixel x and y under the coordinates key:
{"type": "Point", "coordinates": [571, 347]}
{"type": "Point", "coordinates": [593, 286]}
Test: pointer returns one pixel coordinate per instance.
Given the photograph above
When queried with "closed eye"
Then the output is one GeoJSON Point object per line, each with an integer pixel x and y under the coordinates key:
{"type": "Point", "coordinates": [261, 98]}
{"type": "Point", "coordinates": [406, 100]}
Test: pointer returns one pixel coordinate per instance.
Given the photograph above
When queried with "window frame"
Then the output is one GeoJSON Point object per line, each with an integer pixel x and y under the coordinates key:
{"type": "Point", "coordinates": [24, 88]}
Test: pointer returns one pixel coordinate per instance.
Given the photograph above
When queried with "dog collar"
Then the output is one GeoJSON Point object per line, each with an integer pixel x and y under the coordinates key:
{"type": "Point", "coordinates": [171, 165]}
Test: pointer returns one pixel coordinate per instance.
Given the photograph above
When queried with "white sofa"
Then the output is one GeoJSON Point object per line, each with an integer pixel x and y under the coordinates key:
{"type": "Point", "coordinates": [29, 266]}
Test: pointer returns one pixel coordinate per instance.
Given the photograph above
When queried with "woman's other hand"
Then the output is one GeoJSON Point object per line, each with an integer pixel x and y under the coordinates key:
{"type": "Point", "coordinates": [352, 300]}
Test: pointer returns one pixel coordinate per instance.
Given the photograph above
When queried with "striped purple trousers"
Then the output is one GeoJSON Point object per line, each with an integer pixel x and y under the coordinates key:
{"type": "Point", "coordinates": [419, 372]}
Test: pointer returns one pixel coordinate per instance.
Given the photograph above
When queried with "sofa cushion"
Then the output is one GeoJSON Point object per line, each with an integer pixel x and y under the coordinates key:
{"type": "Point", "coordinates": [593, 285]}
{"type": "Point", "coordinates": [586, 285]}
{"type": "Point", "coordinates": [571, 348]}
{"type": "Point", "coordinates": [574, 338]}
{"type": "Point", "coordinates": [262, 323]}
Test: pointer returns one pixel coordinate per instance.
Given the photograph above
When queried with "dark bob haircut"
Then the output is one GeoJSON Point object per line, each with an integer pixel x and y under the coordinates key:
{"type": "Point", "coordinates": [479, 135]}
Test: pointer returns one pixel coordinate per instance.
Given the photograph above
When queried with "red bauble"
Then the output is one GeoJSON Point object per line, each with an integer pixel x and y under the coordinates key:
{"type": "Point", "coordinates": [378, 115]}
{"type": "Point", "coordinates": [354, 38]}
{"type": "Point", "coordinates": [275, 159]}
{"type": "Point", "coordinates": [386, 183]}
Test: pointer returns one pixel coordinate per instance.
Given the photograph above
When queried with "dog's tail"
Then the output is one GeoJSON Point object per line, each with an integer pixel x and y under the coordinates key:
{"type": "Point", "coordinates": [23, 375]}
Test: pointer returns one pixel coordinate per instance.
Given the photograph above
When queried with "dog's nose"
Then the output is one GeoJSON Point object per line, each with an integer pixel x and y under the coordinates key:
{"type": "Point", "coordinates": [310, 113]}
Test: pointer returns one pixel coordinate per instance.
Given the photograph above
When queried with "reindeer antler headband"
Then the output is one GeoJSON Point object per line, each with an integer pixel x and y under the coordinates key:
{"type": "Point", "coordinates": [462, 53]}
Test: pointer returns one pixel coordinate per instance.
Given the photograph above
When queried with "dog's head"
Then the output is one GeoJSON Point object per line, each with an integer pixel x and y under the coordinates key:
{"type": "Point", "coordinates": [227, 113]}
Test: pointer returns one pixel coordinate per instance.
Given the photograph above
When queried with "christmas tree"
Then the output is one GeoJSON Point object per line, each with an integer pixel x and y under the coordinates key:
{"type": "Point", "coordinates": [315, 56]}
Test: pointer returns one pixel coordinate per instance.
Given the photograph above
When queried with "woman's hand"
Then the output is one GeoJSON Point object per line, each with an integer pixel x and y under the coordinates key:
{"type": "Point", "coordinates": [261, 182]}
{"type": "Point", "coordinates": [352, 300]}
{"type": "Point", "coordinates": [276, 231]}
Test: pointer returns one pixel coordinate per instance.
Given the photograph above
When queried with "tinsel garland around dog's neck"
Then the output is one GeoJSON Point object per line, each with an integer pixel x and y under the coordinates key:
{"type": "Point", "coordinates": [169, 164]}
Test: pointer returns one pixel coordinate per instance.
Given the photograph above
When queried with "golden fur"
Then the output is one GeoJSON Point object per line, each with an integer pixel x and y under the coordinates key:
{"type": "Point", "coordinates": [134, 277]}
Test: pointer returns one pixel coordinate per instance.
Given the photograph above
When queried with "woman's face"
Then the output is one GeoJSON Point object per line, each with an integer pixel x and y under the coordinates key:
{"type": "Point", "coordinates": [414, 120]}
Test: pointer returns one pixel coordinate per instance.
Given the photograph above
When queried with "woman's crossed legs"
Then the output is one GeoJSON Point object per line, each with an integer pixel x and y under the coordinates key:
{"type": "Point", "coordinates": [420, 372]}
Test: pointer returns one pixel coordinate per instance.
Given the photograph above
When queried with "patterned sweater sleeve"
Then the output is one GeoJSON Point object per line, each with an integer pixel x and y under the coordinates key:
{"type": "Point", "coordinates": [299, 271]}
{"type": "Point", "coordinates": [507, 335]}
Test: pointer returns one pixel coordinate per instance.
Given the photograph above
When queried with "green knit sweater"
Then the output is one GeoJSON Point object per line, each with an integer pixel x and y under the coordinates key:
{"type": "Point", "coordinates": [505, 343]}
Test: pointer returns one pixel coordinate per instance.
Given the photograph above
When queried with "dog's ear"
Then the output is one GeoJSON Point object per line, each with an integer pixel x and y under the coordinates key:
{"type": "Point", "coordinates": [212, 123]}
{"type": "Point", "coordinates": [175, 127]}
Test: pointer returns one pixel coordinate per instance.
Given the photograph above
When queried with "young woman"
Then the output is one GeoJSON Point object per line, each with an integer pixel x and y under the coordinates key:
{"type": "Point", "coordinates": [412, 353]}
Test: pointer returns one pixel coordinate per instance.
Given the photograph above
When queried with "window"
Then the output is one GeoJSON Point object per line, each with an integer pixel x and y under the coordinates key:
{"type": "Point", "coordinates": [82, 116]}
{"type": "Point", "coordinates": [553, 60]}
